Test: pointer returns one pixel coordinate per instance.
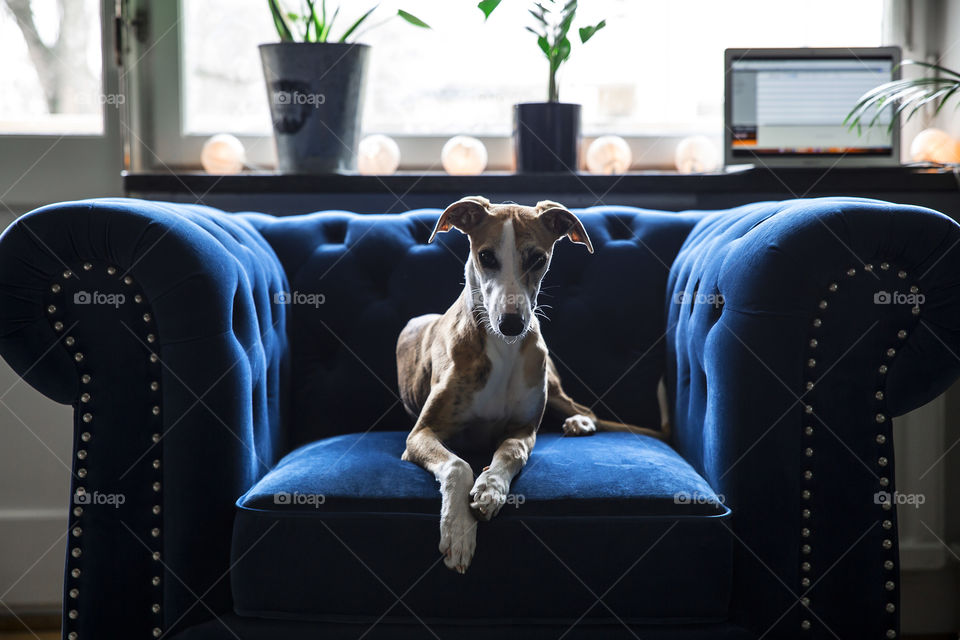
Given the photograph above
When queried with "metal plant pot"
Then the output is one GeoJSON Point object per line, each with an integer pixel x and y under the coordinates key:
{"type": "Point", "coordinates": [316, 93]}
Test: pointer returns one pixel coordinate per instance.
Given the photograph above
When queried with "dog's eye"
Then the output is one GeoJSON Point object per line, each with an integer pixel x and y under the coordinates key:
{"type": "Point", "coordinates": [537, 262]}
{"type": "Point", "coordinates": [487, 259]}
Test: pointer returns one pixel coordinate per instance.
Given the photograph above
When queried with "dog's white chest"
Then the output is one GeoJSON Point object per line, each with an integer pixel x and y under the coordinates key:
{"type": "Point", "coordinates": [507, 395]}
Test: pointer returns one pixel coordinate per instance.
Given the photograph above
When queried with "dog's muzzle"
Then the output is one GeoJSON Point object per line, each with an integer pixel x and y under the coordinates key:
{"type": "Point", "coordinates": [511, 324]}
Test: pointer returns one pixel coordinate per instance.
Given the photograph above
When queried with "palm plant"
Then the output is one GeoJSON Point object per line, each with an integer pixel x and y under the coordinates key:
{"type": "Point", "coordinates": [907, 96]}
{"type": "Point", "coordinates": [314, 24]}
{"type": "Point", "coordinates": [553, 19]}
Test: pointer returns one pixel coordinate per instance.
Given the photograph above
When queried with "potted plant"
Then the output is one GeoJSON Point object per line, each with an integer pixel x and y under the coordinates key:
{"type": "Point", "coordinates": [547, 134]}
{"type": "Point", "coordinates": [906, 97]}
{"type": "Point", "coordinates": [315, 85]}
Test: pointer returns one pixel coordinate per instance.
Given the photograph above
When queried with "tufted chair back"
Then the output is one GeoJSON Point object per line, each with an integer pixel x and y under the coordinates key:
{"type": "Point", "coordinates": [355, 280]}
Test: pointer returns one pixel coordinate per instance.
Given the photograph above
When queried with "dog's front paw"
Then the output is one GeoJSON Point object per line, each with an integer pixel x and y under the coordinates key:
{"type": "Point", "coordinates": [488, 495]}
{"type": "Point", "coordinates": [458, 539]}
{"type": "Point", "coordinates": [579, 425]}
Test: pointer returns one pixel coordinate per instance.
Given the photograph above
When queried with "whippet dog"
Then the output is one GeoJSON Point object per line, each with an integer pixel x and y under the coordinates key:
{"type": "Point", "coordinates": [479, 375]}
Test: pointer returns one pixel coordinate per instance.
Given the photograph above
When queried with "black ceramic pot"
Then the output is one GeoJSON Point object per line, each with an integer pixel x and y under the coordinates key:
{"type": "Point", "coordinates": [546, 137]}
{"type": "Point", "coordinates": [315, 92]}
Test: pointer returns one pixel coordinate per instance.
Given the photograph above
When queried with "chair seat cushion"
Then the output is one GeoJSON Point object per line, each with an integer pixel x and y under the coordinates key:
{"type": "Point", "coordinates": [343, 529]}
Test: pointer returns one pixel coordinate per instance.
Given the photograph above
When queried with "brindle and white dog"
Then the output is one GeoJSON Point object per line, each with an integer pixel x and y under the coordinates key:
{"type": "Point", "coordinates": [480, 374]}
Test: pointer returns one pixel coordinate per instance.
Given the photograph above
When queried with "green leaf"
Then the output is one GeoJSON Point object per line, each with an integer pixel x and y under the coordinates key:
{"type": "Point", "coordinates": [564, 26]}
{"type": "Point", "coordinates": [313, 20]}
{"type": "Point", "coordinates": [563, 51]}
{"type": "Point", "coordinates": [887, 90]}
{"type": "Point", "coordinates": [412, 19]}
{"type": "Point", "coordinates": [535, 32]}
{"type": "Point", "coordinates": [587, 32]}
{"type": "Point", "coordinates": [328, 25]}
{"type": "Point", "coordinates": [487, 6]}
{"type": "Point", "coordinates": [355, 25]}
{"type": "Point", "coordinates": [544, 46]}
{"type": "Point", "coordinates": [935, 67]}
{"type": "Point", "coordinates": [279, 23]}
{"type": "Point", "coordinates": [946, 97]}
{"type": "Point", "coordinates": [542, 19]}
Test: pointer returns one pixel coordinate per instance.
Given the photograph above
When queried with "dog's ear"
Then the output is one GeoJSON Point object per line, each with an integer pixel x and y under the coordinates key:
{"type": "Point", "coordinates": [464, 214]}
{"type": "Point", "coordinates": [563, 223]}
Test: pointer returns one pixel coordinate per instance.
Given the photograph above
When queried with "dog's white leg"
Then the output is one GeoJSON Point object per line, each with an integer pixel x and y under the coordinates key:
{"type": "Point", "coordinates": [492, 487]}
{"type": "Point", "coordinates": [458, 527]}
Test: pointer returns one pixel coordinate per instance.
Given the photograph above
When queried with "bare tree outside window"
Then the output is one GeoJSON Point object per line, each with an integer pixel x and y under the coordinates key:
{"type": "Point", "coordinates": [52, 67]}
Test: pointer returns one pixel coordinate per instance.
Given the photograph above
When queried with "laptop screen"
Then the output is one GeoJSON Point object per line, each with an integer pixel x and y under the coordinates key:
{"type": "Point", "coordinates": [781, 106]}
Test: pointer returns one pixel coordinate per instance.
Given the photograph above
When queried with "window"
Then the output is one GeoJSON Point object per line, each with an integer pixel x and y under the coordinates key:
{"type": "Point", "coordinates": [51, 54]}
{"type": "Point", "coordinates": [657, 69]}
{"type": "Point", "coordinates": [60, 103]}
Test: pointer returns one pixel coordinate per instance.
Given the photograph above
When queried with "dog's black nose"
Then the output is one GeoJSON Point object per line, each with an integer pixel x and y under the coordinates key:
{"type": "Point", "coordinates": [511, 324]}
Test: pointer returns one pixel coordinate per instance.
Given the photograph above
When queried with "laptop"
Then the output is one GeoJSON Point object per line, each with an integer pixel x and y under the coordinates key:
{"type": "Point", "coordinates": [785, 107]}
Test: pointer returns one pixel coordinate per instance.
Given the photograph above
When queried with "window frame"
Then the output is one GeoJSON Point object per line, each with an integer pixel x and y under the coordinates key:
{"type": "Point", "coordinates": [163, 145]}
{"type": "Point", "coordinates": [89, 164]}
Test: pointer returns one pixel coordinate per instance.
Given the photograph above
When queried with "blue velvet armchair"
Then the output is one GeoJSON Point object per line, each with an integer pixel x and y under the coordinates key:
{"type": "Point", "coordinates": [237, 431]}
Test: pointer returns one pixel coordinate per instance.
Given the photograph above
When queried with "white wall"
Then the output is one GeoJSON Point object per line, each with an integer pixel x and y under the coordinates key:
{"type": "Point", "coordinates": [948, 53]}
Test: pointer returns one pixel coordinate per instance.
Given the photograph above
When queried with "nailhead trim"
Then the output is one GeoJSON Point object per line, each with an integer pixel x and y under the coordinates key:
{"type": "Point", "coordinates": [881, 439]}
{"type": "Point", "coordinates": [54, 311]}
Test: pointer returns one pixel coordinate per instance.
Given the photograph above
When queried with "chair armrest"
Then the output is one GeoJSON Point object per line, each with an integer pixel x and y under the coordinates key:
{"type": "Point", "coordinates": [797, 331]}
{"type": "Point", "coordinates": [156, 321]}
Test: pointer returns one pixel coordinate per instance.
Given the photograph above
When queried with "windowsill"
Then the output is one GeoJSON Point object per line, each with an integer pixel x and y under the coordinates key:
{"type": "Point", "coordinates": [787, 181]}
